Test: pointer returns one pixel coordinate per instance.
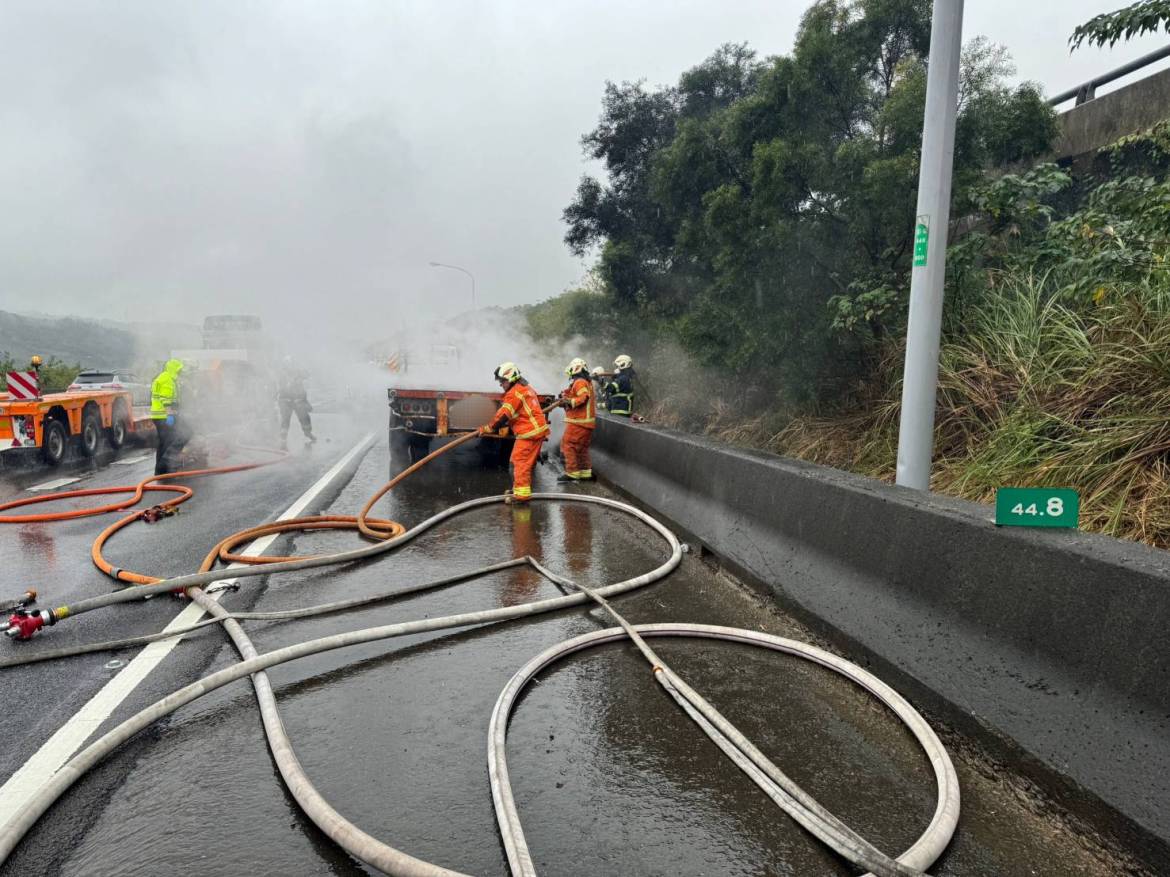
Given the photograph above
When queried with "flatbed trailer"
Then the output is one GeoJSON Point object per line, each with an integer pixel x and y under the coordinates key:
{"type": "Point", "coordinates": [421, 418]}
{"type": "Point", "coordinates": [48, 424]}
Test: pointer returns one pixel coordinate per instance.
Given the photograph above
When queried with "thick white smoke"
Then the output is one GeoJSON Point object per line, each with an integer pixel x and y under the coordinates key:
{"type": "Point", "coordinates": [462, 354]}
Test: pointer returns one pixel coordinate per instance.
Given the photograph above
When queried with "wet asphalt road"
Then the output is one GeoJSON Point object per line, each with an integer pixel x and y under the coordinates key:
{"type": "Point", "coordinates": [610, 777]}
{"type": "Point", "coordinates": [54, 559]}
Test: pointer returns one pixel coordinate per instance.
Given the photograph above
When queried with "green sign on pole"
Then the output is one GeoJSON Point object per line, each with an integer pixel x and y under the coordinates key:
{"type": "Point", "coordinates": [921, 239]}
{"type": "Point", "coordinates": [1036, 507]}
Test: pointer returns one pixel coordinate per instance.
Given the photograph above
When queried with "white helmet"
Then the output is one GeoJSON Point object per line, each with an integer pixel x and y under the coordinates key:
{"type": "Point", "coordinates": [577, 366]}
{"type": "Point", "coordinates": [598, 372]}
{"type": "Point", "coordinates": [507, 371]}
{"type": "Point", "coordinates": [623, 361]}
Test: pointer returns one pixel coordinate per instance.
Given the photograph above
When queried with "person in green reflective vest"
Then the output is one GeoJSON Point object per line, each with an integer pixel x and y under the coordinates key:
{"type": "Point", "coordinates": [172, 432]}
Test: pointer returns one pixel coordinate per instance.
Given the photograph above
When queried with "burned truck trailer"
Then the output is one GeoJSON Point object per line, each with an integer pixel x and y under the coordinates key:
{"type": "Point", "coordinates": [421, 420]}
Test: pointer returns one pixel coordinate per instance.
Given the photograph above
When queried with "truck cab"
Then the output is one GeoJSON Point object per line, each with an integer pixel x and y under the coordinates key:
{"type": "Point", "coordinates": [232, 378]}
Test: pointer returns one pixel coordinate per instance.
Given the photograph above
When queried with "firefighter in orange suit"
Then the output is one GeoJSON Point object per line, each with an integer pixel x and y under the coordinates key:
{"type": "Point", "coordinates": [520, 409]}
{"type": "Point", "coordinates": [580, 406]}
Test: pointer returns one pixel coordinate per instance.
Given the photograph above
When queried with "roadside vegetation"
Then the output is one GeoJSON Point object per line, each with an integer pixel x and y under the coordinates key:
{"type": "Point", "coordinates": [55, 375]}
{"type": "Point", "coordinates": [754, 236]}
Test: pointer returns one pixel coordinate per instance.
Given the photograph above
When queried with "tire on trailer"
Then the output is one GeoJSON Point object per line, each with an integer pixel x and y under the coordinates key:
{"type": "Point", "coordinates": [54, 442]}
{"type": "Point", "coordinates": [91, 430]}
{"type": "Point", "coordinates": [119, 425]}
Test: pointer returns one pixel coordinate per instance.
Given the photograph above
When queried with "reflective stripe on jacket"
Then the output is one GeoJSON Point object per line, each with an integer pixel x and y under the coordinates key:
{"type": "Point", "coordinates": [164, 392]}
{"type": "Point", "coordinates": [582, 408]}
{"type": "Point", "coordinates": [620, 397]}
{"type": "Point", "coordinates": [521, 407]}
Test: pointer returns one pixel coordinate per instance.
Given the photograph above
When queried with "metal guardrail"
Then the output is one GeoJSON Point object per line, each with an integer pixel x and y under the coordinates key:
{"type": "Point", "coordinates": [1088, 90]}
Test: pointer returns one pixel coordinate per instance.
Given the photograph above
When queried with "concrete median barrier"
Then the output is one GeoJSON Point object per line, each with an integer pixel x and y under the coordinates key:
{"type": "Point", "coordinates": [1048, 646]}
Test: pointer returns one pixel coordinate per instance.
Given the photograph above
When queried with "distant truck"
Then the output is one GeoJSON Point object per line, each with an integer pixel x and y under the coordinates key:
{"type": "Point", "coordinates": [236, 332]}
{"type": "Point", "coordinates": [232, 378]}
{"type": "Point", "coordinates": [31, 422]}
{"type": "Point", "coordinates": [420, 419]}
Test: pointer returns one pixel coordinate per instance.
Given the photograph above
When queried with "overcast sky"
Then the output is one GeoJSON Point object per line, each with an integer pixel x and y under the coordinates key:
{"type": "Point", "coordinates": [305, 160]}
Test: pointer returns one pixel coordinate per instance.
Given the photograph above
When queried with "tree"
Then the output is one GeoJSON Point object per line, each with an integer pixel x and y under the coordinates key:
{"type": "Point", "coordinates": [585, 310]}
{"type": "Point", "coordinates": [762, 211]}
{"type": "Point", "coordinates": [55, 375]}
{"type": "Point", "coordinates": [1145, 16]}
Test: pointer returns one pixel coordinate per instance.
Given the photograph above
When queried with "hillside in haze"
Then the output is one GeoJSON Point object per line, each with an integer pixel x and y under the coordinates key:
{"type": "Point", "coordinates": [92, 343]}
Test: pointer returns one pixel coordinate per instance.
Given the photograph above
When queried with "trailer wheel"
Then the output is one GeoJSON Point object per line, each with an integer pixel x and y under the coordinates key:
{"type": "Point", "coordinates": [116, 435]}
{"type": "Point", "coordinates": [54, 442]}
{"type": "Point", "coordinates": [91, 433]}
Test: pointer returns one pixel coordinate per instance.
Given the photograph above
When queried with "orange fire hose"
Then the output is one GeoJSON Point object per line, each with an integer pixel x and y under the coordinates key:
{"type": "Point", "coordinates": [372, 528]}
{"type": "Point", "coordinates": [137, 490]}
{"type": "Point", "coordinates": [376, 529]}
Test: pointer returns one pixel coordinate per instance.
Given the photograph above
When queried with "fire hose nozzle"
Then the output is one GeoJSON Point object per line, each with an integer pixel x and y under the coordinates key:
{"type": "Point", "coordinates": [23, 624]}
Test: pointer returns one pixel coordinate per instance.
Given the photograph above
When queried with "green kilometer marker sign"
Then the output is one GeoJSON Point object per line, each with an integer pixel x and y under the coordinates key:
{"type": "Point", "coordinates": [921, 240]}
{"type": "Point", "coordinates": [1036, 507]}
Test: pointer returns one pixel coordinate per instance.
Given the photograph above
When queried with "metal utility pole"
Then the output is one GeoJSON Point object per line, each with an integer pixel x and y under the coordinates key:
{"type": "Point", "coordinates": [465, 271]}
{"type": "Point", "coordinates": [916, 430]}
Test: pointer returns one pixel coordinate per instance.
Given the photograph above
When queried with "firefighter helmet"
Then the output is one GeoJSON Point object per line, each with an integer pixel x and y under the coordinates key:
{"type": "Point", "coordinates": [622, 362]}
{"type": "Point", "coordinates": [507, 371]}
{"type": "Point", "coordinates": [598, 372]}
{"type": "Point", "coordinates": [576, 367]}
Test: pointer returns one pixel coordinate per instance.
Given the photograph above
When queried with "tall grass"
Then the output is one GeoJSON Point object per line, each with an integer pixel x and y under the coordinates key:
{"type": "Point", "coordinates": [1033, 391]}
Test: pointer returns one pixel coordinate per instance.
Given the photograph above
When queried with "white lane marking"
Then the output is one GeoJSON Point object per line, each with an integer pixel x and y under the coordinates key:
{"type": "Point", "coordinates": [59, 748]}
{"type": "Point", "coordinates": [54, 484]}
{"type": "Point", "coordinates": [132, 460]}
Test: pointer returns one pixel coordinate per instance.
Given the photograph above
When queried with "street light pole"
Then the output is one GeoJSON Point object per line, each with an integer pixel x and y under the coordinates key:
{"type": "Point", "coordinates": [924, 327]}
{"type": "Point", "coordinates": [465, 271]}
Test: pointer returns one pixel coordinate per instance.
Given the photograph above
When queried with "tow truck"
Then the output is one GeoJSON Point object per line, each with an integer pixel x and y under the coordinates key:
{"type": "Point", "coordinates": [419, 418]}
{"type": "Point", "coordinates": [30, 421]}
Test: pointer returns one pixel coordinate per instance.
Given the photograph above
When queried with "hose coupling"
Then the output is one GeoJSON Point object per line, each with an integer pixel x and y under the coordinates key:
{"type": "Point", "coordinates": [156, 513]}
{"type": "Point", "coordinates": [24, 623]}
{"type": "Point", "coordinates": [29, 596]}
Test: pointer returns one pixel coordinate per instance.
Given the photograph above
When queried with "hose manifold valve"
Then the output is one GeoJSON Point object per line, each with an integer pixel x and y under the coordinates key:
{"type": "Point", "coordinates": [24, 623]}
